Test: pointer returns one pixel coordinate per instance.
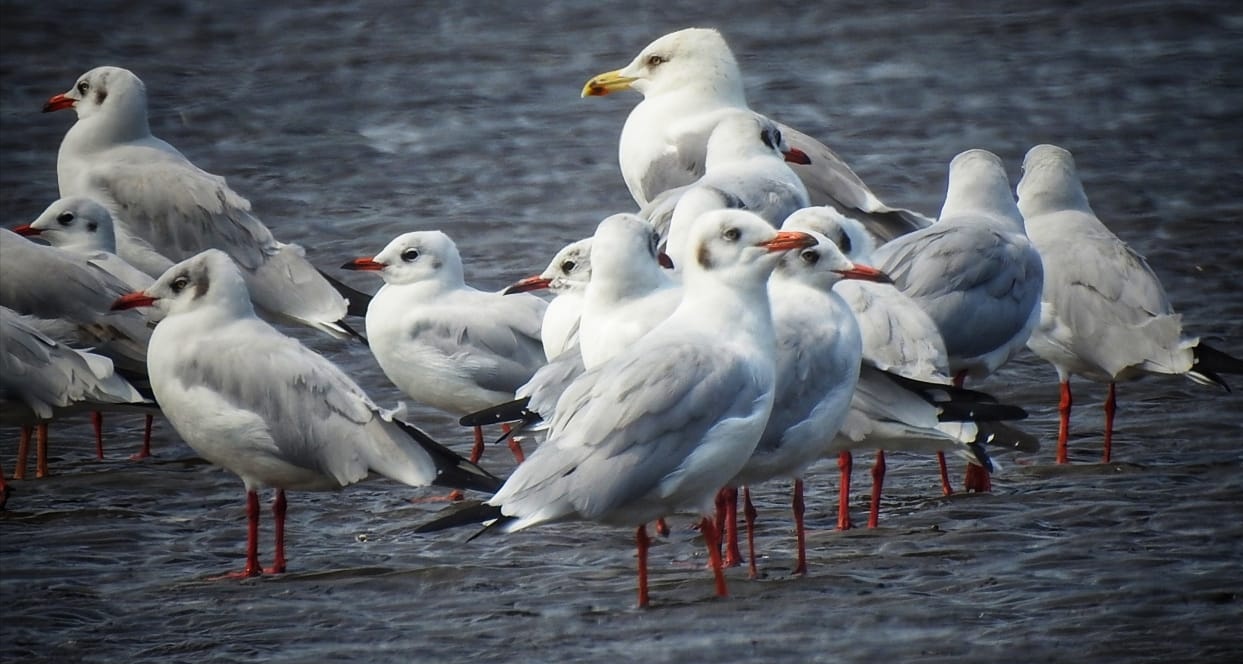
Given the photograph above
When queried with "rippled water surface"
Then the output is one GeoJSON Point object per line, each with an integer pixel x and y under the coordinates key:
{"type": "Point", "coordinates": [352, 122]}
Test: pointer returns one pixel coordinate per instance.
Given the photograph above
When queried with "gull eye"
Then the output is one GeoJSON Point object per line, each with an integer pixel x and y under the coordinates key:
{"type": "Point", "coordinates": [65, 219]}
{"type": "Point", "coordinates": [409, 255]}
{"type": "Point", "coordinates": [810, 256]}
{"type": "Point", "coordinates": [732, 234]}
{"type": "Point", "coordinates": [656, 60]}
{"type": "Point", "coordinates": [83, 86]}
{"type": "Point", "coordinates": [179, 284]}
{"type": "Point", "coordinates": [568, 266]}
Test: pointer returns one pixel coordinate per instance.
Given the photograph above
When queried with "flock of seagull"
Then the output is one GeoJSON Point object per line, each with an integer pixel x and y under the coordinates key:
{"type": "Point", "coordinates": [762, 310]}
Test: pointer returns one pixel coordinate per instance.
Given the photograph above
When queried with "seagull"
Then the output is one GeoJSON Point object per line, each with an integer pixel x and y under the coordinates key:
{"type": "Point", "coordinates": [42, 379]}
{"type": "Point", "coordinates": [1103, 313]}
{"type": "Point", "coordinates": [566, 277]}
{"type": "Point", "coordinates": [167, 209]}
{"type": "Point", "coordinates": [691, 72]}
{"type": "Point", "coordinates": [744, 168]}
{"type": "Point", "coordinates": [666, 422]}
{"type": "Point", "coordinates": [442, 342]}
{"type": "Point", "coordinates": [818, 358]}
{"type": "Point", "coordinates": [629, 293]}
{"type": "Point", "coordinates": [81, 225]}
{"type": "Point", "coordinates": [68, 294]}
{"type": "Point", "coordinates": [974, 272]}
{"type": "Point", "coordinates": [252, 400]}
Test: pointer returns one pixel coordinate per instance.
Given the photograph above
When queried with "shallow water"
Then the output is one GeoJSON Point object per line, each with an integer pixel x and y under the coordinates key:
{"type": "Point", "coordinates": [348, 124]}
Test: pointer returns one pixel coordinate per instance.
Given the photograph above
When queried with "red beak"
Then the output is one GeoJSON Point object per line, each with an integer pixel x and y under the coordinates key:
{"type": "Point", "coordinates": [866, 273]}
{"type": "Point", "coordinates": [27, 230]}
{"type": "Point", "coordinates": [796, 156]}
{"type": "Point", "coordinates": [664, 260]}
{"type": "Point", "coordinates": [787, 240]}
{"type": "Point", "coordinates": [363, 264]}
{"type": "Point", "coordinates": [528, 284]}
{"type": "Point", "coordinates": [132, 300]}
{"type": "Point", "coordinates": [58, 103]}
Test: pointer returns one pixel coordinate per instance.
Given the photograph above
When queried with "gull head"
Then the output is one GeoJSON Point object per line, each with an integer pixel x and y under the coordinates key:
{"type": "Point", "coordinates": [624, 247]}
{"type": "Point", "coordinates": [1050, 183]}
{"type": "Point", "coordinates": [75, 222]}
{"type": "Point", "coordinates": [417, 257]}
{"type": "Point", "coordinates": [737, 248]}
{"type": "Point", "coordinates": [694, 58]}
{"type": "Point", "coordinates": [821, 265]}
{"type": "Point", "coordinates": [847, 234]}
{"type": "Point", "coordinates": [568, 272]}
{"type": "Point", "coordinates": [109, 91]}
{"type": "Point", "coordinates": [207, 279]}
{"type": "Point", "coordinates": [740, 133]}
{"type": "Point", "coordinates": [978, 186]}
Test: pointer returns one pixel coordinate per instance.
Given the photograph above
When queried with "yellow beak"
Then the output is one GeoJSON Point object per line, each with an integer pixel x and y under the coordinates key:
{"type": "Point", "coordinates": [603, 84]}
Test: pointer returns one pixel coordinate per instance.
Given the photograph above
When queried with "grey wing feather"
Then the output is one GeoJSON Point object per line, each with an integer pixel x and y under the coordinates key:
{"type": "Point", "coordinates": [511, 351]}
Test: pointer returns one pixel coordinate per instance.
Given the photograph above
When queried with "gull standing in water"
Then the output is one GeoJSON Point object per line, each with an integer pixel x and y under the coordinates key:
{"type": "Point", "coordinates": [974, 272]}
{"type": "Point", "coordinates": [1103, 313]}
{"type": "Point", "coordinates": [665, 423]}
{"type": "Point", "coordinates": [249, 399]}
{"type": "Point", "coordinates": [166, 208]}
{"type": "Point", "coordinates": [442, 342]}
{"type": "Point", "coordinates": [691, 72]}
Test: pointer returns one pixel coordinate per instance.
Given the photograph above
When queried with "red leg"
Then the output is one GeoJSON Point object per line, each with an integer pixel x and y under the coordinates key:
{"type": "Point", "coordinates": [4, 490]}
{"type": "Point", "coordinates": [878, 481]}
{"type": "Point", "coordinates": [278, 519]}
{"type": "Point", "coordinates": [748, 511]}
{"type": "Point", "coordinates": [476, 451]}
{"type": "Point", "coordinates": [1111, 405]}
{"type": "Point", "coordinates": [97, 421]}
{"type": "Point", "coordinates": [1063, 427]}
{"type": "Point", "coordinates": [977, 479]}
{"type": "Point", "coordinates": [41, 450]}
{"type": "Point", "coordinates": [844, 463]}
{"type": "Point", "coordinates": [252, 540]}
{"type": "Point", "coordinates": [641, 544]}
{"type": "Point", "coordinates": [662, 528]}
{"type": "Point", "coordinates": [23, 454]}
{"type": "Point", "coordinates": [146, 440]}
{"type": "Point", "coordinates": [708, 528]}
{"type": "Point", "coordinates": [721, 509]}
{"type": "Point", "coordinates": [800, 530]}
{"type": "Point", "coordinates": [945, 475]}
{"type": "Point", "coordinates": [514, 445]}
{"type": "Point", "coordinates": [733, 556]}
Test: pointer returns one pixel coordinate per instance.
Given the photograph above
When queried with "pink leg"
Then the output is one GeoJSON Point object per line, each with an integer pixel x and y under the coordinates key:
{"type": "Point", "coordinates": [146, 440]}
{"type": "Point", "coordinates": [641, 544]}
{"type": "Point", "coordinates": [733, 556]}
{"type": "Point", "coordinates": [1111, 405]}
{"type": "Point", "coordinates": [41, 450]}
{"type": "Point", "coordinates": [711, 537]}
{"type": "Point", "coordinates": [800, 530]}
{"type": "Point", "coordinates": [878, 481]}
{"type": "Point", "coordinates": [748, 510]}
{"type": "Point", "coordinates": [844, 463]}
{"type": "Point", "coordinates": [1063, 427]}
{"type": "Point", "coordinates": [97, 421]}
{"type": "Point", "coordinates": [514, 445]}
{"type": "Point", "coordinates": [662, 528]}
{"type": "Point", "coordinates": [278, 519]}
{"type": "Point", "coordinates": [23, 454]}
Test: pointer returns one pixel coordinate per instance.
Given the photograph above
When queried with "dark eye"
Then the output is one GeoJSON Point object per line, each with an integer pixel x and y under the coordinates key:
{"type": "Point", "coordinates": [732, 234]}
{"type": "Point", "coordinates": [83, 86]}
{"type": "Point", "coordinates": [409, 255]}
{"type": "Point", "coordinates": [65, 218]}
{"type": "Point", "coordinates": [810, 256]}
{"type": "Point", "coordinates": [568, 266]}
{"type": "Point", "coordinates": [844, 243]}
{"type": "Point", "coordinates": [179, 284]}
{"type": "Point", "coordinates": [655, 60]}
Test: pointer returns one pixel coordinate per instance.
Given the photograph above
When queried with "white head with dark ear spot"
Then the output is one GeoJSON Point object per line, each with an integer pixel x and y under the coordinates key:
{"type": "Point", "coordinates": [210, 278]}
{"type": "Point", "coordinates": [570, 269]}
{"type": "Point", "coordinates": [737, 248]}
{"type": "Point", "coordinates": [78, 223]}
{"type": "Point", "coordinates": [421, 257]}
{"type": "Point", "coordinates": [849, 235]}
{"type": "Point", "coordinates": [112, 95]}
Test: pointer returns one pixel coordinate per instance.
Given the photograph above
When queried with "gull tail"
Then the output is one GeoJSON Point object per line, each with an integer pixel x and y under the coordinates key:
{"type": "Point", "coordinates": [510, 411]}
{"type": "Point", "coordinates": [452, 470]}
{"type": "Point", "coordinates": [996, 434]}
{"type": "Point", "coordinates": [358, 300]}
{"type": "Point", "coordinates": [468, 513]}
{"type": "Point", "coordinates": [1210, 362]}
{"type": "Point", "coordinates": [958, 404]}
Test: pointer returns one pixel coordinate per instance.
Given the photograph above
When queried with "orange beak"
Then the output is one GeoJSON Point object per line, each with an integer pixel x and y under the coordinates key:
{"type": "Point", "coordinates": [363, 264]}
{"type": "Point", "coordinates": [528, 284]}
{"type": "Point", "coordinates": [796, 156]}
{"type": "Point", "coordinates": [58, 103]}
{"type": "Point", "coordinates": [866, 273]}
{"type": "Point", "coordinates": [787, 240]}
{"type": "Point", "coordinates": [27, 230]}
{"type": "Point", "coordinates": [132, 300]}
